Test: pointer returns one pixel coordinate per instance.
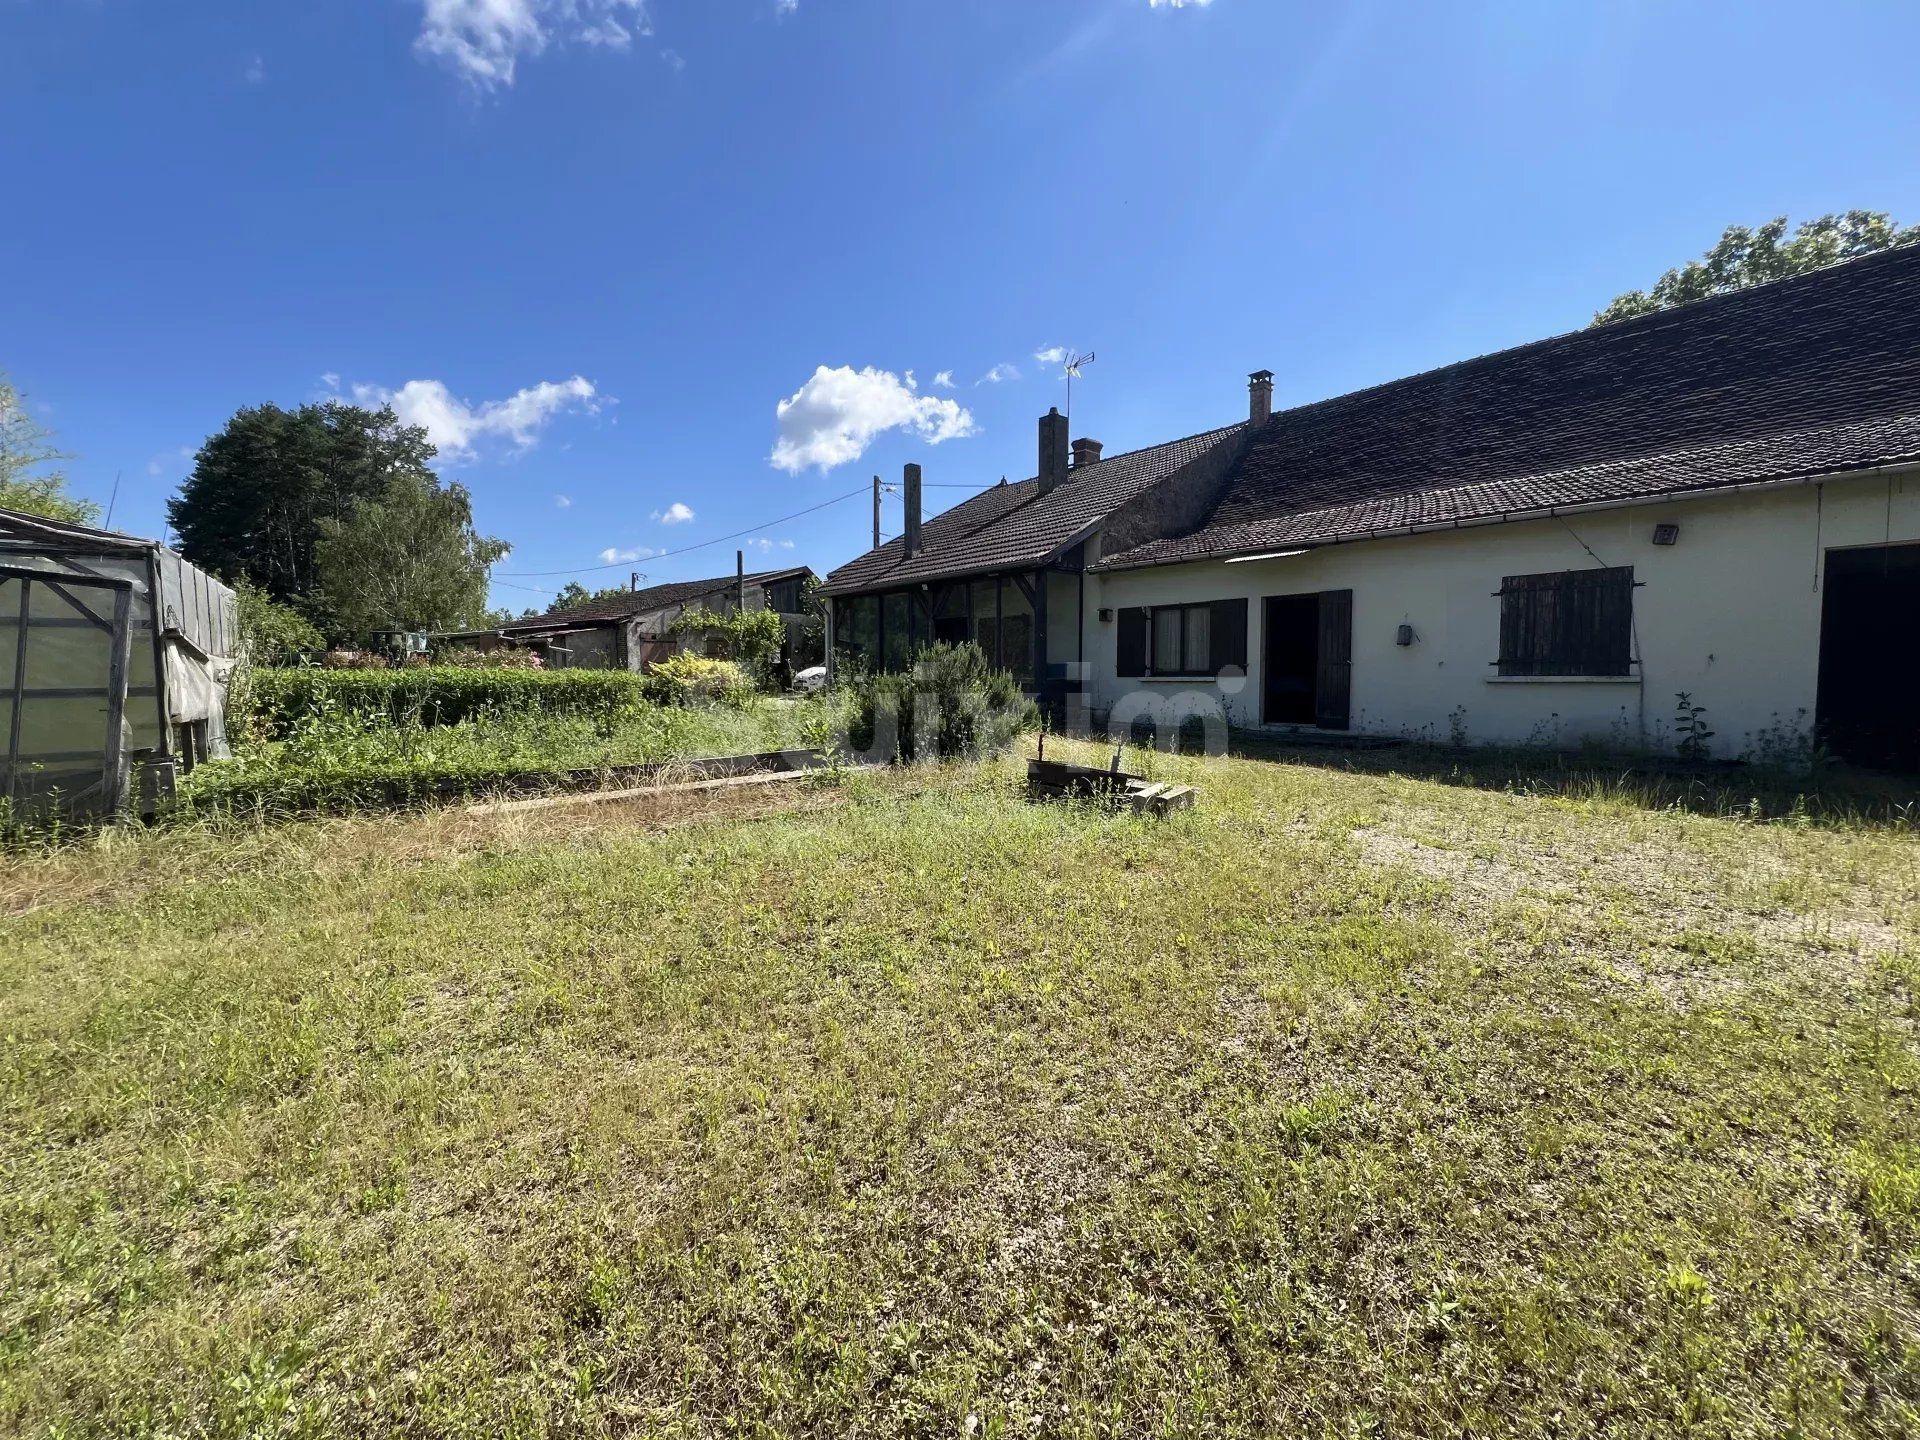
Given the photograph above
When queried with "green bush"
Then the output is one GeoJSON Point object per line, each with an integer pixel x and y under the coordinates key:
{"type": "Point", "coordinates": [964, 706]}
{"type": "Point", "coordinates": [695, 680]}
{"type": "Point", "coordinates": [272, 633]}
{"type": "Point", "coordinates": [752, 639]}
{"type": "Point", "coordinates": [432, 695]}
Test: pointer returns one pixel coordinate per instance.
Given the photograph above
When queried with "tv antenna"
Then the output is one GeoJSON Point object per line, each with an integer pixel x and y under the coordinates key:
{"type": "Point", "coordinates": [1075, 363]}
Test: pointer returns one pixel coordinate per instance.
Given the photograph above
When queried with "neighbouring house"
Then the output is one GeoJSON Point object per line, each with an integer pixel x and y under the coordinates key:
{"type": "Point", "coordinates": [635, 631]}
{"type": "Point", "coordinates": [1007, 568]}
{"type": "Point", "coordinates": [1550, 544]}
{"type": "Point", "coordinates": [114, 659]}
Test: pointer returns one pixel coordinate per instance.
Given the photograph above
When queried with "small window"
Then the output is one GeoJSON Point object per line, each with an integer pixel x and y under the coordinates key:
{"type": "Point", "coordinates": [1201, 639]}
{"type": "Point", "coordinates": [1569, 622]}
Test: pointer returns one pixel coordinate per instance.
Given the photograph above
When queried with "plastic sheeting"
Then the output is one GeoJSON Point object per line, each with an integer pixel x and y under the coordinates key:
{"type": "Point", "coordinates": [179, 658]}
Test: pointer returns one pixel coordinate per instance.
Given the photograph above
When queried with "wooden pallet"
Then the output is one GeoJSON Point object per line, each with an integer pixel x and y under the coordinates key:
{"type": "Point", "coordinates": [1056, 780]}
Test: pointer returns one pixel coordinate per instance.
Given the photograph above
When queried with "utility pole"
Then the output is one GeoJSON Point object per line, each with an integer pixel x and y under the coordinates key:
{"type": "Point", "coordinates": [633, 581]}
{"type": "Point", "coordinates": [876, 512]}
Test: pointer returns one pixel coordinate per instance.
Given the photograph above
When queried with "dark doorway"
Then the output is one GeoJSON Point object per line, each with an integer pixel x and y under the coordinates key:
{"type": "Point", "coordinates": [1869, 702]}
{"type": "Point", "coordinates": [1307, 659]}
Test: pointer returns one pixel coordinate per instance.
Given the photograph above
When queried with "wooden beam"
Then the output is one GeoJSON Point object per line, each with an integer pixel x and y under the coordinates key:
{"type": "Point", "coordinates": [19, 692]}
{"type": "Point", "coordinates": [68, 596]}
{"type": "Point", "coordinates": [601, 797]}
{"type": "Point", "coordinates": [114, 769]}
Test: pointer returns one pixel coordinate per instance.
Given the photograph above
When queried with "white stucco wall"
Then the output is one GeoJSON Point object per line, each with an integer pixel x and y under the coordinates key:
{"type": "Point", "coordinates": [1730, 614]}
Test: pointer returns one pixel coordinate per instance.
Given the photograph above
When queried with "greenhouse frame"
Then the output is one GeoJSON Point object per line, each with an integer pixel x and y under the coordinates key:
{"type": "Point", "coordinates": [114, 659]}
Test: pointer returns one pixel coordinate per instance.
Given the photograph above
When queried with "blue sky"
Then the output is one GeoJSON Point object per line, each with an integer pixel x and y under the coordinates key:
{"type": "Point", "coordinates": [596, 244]}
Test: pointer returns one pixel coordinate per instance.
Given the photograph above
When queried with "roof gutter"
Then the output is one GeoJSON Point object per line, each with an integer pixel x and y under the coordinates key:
{"type": "Point", "coordinates": [1544, 512]}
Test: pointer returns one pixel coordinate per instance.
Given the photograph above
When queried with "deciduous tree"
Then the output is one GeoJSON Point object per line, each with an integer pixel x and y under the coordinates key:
{"type": "Point", "coordinates": [409, 560]}
{"type": "Point", "coordinates": [26, 484]}
{"type": "Point", "coordinates": [251, 510]}
{"type": "Point", "coordinates": [1746, 257]}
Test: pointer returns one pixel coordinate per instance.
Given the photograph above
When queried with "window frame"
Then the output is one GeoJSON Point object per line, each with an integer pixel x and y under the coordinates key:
{"type": "Point", "coordinates": [1152, 669]}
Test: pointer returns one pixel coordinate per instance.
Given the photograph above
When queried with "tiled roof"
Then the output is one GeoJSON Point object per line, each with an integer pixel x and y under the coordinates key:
{"type": "Point", "coordinates": [1011, 525]}
{"type": "Point", "coordinates": [1828, 450]}
{"type": "Point", "coordinates": [1801, 377]}
{"type": "Point", "coordinates": [654, 597]}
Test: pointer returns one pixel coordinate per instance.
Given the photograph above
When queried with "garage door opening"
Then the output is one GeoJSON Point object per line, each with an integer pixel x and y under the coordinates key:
{"type": "Point", "coordinates": [1869, 699]}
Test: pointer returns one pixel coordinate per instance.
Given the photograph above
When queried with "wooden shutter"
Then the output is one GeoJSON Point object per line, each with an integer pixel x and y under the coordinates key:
{"type": "Point", "coordinates": [1571, 622]}
{"type": "Point", "coordinates": [1333, 680]}
{"type": "Point", "coordinates": [1131, 660]}
{"type": "Point", "coordinates": [1229, 634]}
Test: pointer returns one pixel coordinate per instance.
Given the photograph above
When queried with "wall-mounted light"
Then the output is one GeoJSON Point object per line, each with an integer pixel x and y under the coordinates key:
{"type": "Point", "coordinates": [1105, 614]}
{"type": "Point", "coordinates": [1666, 534]}
{"type": "Point", "coordinates": [1404, 635]}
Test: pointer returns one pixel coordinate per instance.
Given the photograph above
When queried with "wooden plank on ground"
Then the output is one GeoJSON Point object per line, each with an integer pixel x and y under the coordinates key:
{"type": "Point", "coordinates": [599, 797]}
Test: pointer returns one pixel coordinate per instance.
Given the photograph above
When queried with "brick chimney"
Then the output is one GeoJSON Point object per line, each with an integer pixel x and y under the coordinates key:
{"type": "Point", "coordinates": [1086, 452]}
{"type": "Point", "coordinates": [1260, 397]}
{"type": "Point", "coordinates": [1053, 449]}
{"type": "Point", "coordinates": [910, 493]}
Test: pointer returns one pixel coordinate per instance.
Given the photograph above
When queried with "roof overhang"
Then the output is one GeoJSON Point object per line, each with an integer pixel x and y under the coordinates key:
{"type": "Point", "coordinates": [1035, 562]}
{"type": "Point", "coordinates": [1244, 554]}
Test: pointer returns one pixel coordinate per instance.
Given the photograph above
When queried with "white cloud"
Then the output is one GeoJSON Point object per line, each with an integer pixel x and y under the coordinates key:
{"type": "Point", "coordinates": [563, 502]}
{"type": "Point", "coordinates": [676, 62]}
{"type": "Point", "coordinates": [999, 374]}
{"type": "Point", "coordinates": [161, 464]}
{"type": "Point", "coordinates": [678, 513]}
{"type": "Point", "coordinates": [454, 425]}
{"type": "Point", "coordinates": [256, 71]}
{"type": "Point", "coordinates": [837, 414]}
{"type": "Point", "coordinates": [764, 545]}
{"type": "Point", "coordinates": [785, 7]}
{"type": "Point", "coordinates": [943, 380]}
{"type": "Point", "coordinates": [1052, 355]}
{"type": "Point", "coordinates": [1177, 4]}
{"type": "Point", "coordinates": [485, 40]}
{"type": "Point", "coordinates": [614, 556]}
{"type": "Point", "coordinates": [331, 380]}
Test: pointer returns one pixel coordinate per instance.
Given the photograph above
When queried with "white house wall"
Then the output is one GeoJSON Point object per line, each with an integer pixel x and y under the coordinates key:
{"type": "Point", "coordinates": [1730, 614]}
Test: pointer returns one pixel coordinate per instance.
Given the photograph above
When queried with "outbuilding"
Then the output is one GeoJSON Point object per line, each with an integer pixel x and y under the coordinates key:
{"type": "Point", "coordinates": [115, 655]}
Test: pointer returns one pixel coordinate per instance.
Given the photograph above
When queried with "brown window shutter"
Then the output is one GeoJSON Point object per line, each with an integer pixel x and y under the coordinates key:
{"type": "Point", "coordinates": [1229, 634]}
{"type": "Point", "coordinates": [1131, 661]}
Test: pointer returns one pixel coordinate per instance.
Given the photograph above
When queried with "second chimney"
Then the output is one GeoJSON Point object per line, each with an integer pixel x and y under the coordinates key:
{"type": "Point", "coordinates": [1053, 449]}
{"type": "Point", "coordinates": [1086, 452]}
{"type": "Point", "coordinates": [1260, 397]}
{"type": "Point", "coordinates": [910, 493]}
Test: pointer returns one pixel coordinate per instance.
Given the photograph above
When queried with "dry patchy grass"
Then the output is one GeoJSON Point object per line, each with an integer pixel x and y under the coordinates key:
{"type": "Point", "coordinates": [1342, 1105]}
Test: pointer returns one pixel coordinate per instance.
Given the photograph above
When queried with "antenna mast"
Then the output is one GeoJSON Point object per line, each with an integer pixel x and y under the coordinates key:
{"type": "Point", "coordinates": [1074, 364]}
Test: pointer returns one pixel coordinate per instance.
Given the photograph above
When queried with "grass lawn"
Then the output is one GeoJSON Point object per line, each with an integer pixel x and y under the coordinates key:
{"type": "Point", "coordinates": [1347, 1104]}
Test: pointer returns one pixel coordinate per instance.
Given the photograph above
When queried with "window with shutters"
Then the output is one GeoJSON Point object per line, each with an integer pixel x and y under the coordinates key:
{"type": "Point", "coordinates": [1181, 640]}
{"type": "Point", "coordinates": [1569, 622]}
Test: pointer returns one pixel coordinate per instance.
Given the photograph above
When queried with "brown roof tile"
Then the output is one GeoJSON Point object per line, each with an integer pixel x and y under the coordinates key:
{"type": "Point", "coordinates": [1805, 376]}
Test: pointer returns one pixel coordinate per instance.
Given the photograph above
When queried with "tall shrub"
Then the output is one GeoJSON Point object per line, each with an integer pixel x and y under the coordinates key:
{"type": "Point", "coordinates": [949, 704]}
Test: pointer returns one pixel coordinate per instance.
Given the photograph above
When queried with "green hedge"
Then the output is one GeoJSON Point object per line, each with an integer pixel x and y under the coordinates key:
{"type": "Point", "coordinates": [439, 695]}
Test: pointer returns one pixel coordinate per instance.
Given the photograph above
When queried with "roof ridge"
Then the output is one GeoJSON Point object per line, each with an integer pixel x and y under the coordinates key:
{"type": "Point", "coordinates": [1653, 320]}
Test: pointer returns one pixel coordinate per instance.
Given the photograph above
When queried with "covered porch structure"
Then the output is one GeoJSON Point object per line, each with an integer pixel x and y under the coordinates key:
{"type": "Point", "coordinates": [1028, 621]}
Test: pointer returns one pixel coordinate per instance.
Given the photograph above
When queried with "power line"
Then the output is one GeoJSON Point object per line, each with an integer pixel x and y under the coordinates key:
{"type": "Point", "coordinates": [686, 549]}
